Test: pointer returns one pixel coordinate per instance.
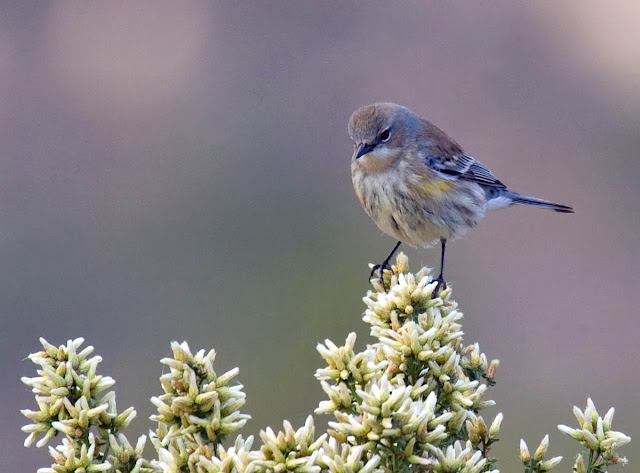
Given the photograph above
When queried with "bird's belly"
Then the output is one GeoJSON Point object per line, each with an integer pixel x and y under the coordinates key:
{"type": "Point", "coordinates": [414, 229]}
{"type": "Point", "coordinates": [420, 220]}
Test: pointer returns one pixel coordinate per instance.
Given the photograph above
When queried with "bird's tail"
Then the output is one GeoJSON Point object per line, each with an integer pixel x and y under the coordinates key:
{"type": "Point", "coordinates": [525, 199]}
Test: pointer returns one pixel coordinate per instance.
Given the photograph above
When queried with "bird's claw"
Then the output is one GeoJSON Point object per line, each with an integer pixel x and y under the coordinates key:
{"type": "Point", "coordinates": [441, 286]}
{"type": "Point", "coordinates": [381, 268]}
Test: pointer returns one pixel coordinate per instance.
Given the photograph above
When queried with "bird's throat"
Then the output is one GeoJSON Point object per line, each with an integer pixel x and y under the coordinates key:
{"type": "Point", "coordinates": [377, 161]}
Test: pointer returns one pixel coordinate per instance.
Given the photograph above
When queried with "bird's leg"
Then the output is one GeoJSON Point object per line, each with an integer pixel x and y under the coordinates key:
{"type": "Point", "coordinates": [385, 264]}
{"type": "Point", "coordinates": [440, 279]}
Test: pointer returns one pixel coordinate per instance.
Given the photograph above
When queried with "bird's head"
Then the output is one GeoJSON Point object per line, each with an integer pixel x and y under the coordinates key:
{"type": "Point", "coordinates": [381, 132]}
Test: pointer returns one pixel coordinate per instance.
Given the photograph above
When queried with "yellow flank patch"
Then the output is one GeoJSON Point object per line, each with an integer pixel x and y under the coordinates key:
{"type": "Point", "coordinates": [434, 188]}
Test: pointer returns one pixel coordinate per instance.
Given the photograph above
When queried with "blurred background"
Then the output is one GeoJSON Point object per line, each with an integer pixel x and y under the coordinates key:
{"type": "Point", "coordinates": [180, 171]}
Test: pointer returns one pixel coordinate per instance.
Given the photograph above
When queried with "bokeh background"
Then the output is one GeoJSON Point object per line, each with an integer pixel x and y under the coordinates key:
{"type": "Point", "coordinates": [180, 171]}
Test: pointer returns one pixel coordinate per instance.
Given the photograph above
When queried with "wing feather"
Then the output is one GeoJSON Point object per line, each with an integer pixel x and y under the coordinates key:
{"type": "Point", "coordinates": [465, 167]}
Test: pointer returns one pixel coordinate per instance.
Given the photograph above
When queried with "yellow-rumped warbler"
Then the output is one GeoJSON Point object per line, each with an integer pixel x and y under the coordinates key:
{"type": "Point", "coordinates": [417, 184]}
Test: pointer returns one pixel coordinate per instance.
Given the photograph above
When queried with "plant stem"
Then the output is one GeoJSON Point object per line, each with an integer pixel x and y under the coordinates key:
{"type": "Point", "coordinates": [590, 465]}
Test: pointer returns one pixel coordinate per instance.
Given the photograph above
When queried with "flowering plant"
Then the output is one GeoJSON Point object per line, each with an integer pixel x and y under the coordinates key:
{"type": "Point", "coordinates": [409, 402]}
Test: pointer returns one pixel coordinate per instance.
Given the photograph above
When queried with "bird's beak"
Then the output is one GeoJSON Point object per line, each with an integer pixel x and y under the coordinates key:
{"type": "Point", "coordinates": [363, 149]}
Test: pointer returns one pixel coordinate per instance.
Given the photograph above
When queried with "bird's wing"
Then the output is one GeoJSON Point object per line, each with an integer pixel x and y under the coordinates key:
{"type": "Point", "coordinates": [464, 167]}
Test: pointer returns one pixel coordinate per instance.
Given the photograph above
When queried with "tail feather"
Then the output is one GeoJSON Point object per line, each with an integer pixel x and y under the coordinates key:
{"type": "Point", "coordinates": [525, 199]}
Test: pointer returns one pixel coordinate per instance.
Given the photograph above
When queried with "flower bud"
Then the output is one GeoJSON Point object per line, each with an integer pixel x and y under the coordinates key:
{"type": "Point", "coordinates": [541, 451]}
{"type": "Point", "coordinates": [525, 456]}
{"type": "Point", "coordinates": [547, 465]}
{"type": "Point", "coordinates": [495, 425]}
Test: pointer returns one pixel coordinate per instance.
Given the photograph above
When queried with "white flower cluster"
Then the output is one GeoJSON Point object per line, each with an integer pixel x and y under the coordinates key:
{"type": "Point", "coordinates": [73, 456]}
{"type": "Point", "coordinates": [537, 463]}
{"type": "Point", "coordinates": [204, 457]}
{"type": "Point", "coordinates": [72, 401]}
{"type": "Point", "coordinates": [413, 397]}
{"type": "Point", "coordinates": [300, 451]}
{"type": "Point", "coordinates": [195, 413]}
{"type": "Point", "coordinates": [290, 450]}
{"type": "Point", "coordinates": [459, 458]}
{"type": "Point", "coordinates": [595, 433]}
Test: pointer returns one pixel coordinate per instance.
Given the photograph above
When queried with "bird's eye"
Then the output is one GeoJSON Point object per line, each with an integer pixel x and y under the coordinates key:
{"type": "Point", "coordinates": [385, 135]}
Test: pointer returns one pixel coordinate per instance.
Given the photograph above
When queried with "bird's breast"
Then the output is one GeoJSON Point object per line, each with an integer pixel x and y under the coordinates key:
{"type": "Point", "coordinates": [419, 208]}
{"type": "Point", "coordinates": [398, 209]}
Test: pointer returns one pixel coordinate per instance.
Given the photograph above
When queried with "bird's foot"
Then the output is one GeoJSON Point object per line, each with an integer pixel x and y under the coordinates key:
{"type": "Point", "coordinates": [442, 285]}
{"type": "Point", "coordinates": [380, 267]}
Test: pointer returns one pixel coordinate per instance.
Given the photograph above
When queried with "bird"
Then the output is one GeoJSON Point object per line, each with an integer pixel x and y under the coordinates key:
{"type": "Point", "coordinates": [418, 185]}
